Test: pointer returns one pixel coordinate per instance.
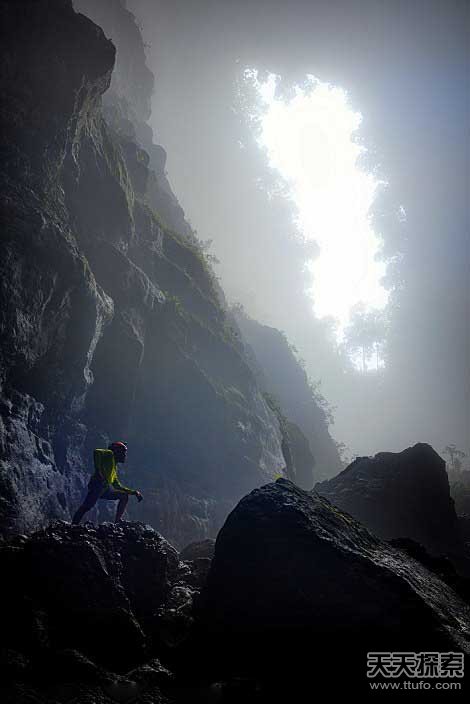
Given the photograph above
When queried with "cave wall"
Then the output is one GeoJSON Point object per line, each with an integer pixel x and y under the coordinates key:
{"type": "Point", "coordinates": [112, 323]}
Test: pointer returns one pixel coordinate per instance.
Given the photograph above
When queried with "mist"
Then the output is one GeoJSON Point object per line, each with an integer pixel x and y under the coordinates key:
{"type": "Point", "coordinates": [404, 67]}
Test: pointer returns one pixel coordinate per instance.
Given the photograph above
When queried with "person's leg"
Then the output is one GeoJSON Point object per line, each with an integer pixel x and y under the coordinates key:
{"type": "Point", "coordinates": [121, 507]}
{"type": "Point", "coordinates": [122, 499]}
{"type": "Point", "coordinates": [79, 513]}
{"type": "Point", "coordinates": [95, 488]}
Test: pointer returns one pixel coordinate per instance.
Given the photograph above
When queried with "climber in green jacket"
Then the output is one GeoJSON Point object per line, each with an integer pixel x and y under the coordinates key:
{"type": "Point", "coordinates": [105, 484]}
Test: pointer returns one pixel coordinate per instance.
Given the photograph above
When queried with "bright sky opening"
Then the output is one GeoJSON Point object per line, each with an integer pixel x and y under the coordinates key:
{"type": "Point", "coordinates": [309, 140]}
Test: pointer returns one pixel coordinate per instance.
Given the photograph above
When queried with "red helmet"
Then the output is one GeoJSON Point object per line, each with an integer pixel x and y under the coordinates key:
{"type": "Point", "coordinates": [118, 447]}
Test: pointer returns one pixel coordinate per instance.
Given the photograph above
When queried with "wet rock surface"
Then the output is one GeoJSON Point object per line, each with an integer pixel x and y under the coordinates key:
{"type": "Point", "coordinates": [296, 581]}
{"type": "Point", "coordinates": [88, 587]}
{"type": "Point", "coordinates": [88, 609]}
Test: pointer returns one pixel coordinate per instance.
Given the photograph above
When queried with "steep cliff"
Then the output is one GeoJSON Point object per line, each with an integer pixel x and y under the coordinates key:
{"type": "Point", "coordinates": [127, 103]}
{"type": "Point", "coordinates": [280, 374]}
{"type": "Point", "coordinates": [306, 442]}
{"type": "Point", "coordinates": [112, 323]}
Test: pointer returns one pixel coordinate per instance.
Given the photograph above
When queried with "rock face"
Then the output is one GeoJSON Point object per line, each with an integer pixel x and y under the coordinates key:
{"type": "Point", "coordinates": [88, 588]}
{"type": "Point", "coordinates": [401, 495]}
{"type": "Point", "coordinates": [127, 105]}
{"type": "Point", "coordinates": [112, 323]}
{"type": "Point", "coordinates": [299, 590]}
{"type": "Point", "coordinates": [86, 603]}
{"type": "Point", "coordinates": [280, 374]}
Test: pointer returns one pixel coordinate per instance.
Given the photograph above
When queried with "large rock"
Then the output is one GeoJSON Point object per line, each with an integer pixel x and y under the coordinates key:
{"type": "Point", "coordinates": [87, 605]}
{"type": "Point", "coordinates": [401, 495]}
{"type": "Point", "coordinates": [300, 590]}
{"type": "Point", "coordinates": [88, 588]}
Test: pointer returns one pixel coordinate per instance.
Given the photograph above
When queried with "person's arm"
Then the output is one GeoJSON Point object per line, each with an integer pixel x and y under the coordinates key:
{"type": "Point", "coordinates": [124, 489]}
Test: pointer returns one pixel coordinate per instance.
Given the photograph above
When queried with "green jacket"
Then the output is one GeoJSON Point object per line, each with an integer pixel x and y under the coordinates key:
{"type": "Point", "coordinates": [105, 469]}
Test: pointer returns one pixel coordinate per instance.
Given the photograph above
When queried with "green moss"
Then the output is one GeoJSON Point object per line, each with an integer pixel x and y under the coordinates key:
{"type": "Point", "coordinates": [205, 281]}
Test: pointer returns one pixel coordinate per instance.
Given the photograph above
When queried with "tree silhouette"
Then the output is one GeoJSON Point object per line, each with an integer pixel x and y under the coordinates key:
{"type": "Point", "coordinates": [455, 455]}
{"type": "Point", "coordinates": [365, 333]}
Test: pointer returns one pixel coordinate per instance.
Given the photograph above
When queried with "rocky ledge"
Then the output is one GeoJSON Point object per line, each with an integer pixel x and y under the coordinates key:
{"type": "Point", "coordinates": [88, 609]}
{"type": "Point", "coordinates": [295, 592]}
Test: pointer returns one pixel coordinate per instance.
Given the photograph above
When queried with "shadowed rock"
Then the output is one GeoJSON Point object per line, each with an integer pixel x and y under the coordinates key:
{"type": "Point", "coordinates": [297, 581]}
{"type": "Point", "coordinates": [89, 608]}
{"type": "Point", "coordinates": [97, 588]}
{"type": "Point", "coordinates": [401, 495]}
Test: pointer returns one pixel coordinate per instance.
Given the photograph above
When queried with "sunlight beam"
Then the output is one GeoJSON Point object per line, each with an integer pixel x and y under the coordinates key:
{"type": "Point", "coordinates": [309, 140]}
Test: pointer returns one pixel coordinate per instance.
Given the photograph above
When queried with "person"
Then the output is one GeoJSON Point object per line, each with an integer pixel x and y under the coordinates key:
{"type": "Point", "coordinates": [105, 484]}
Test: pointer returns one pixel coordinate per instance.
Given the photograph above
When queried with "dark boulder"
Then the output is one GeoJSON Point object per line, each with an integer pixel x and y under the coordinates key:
{"type": "Point", "coordinates": [296, 581]}
{"type": "Point", "coordinates": [401, 495]}
{"type": "Point", "coordinates": [90, 588]}
{"type": "Point", "coordinates": [89, 610]}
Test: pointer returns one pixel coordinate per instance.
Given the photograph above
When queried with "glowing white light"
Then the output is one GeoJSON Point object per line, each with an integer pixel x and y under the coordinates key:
{"type": "Point", "coordinates": [309, 140]}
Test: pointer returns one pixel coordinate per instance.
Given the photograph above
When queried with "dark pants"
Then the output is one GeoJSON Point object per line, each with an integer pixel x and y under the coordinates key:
{"type": "Point", "coordinates": [99, 489]}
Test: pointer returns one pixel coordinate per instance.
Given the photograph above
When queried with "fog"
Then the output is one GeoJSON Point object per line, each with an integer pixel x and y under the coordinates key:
{"type": "Point", "coordinates": [405, 67]}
